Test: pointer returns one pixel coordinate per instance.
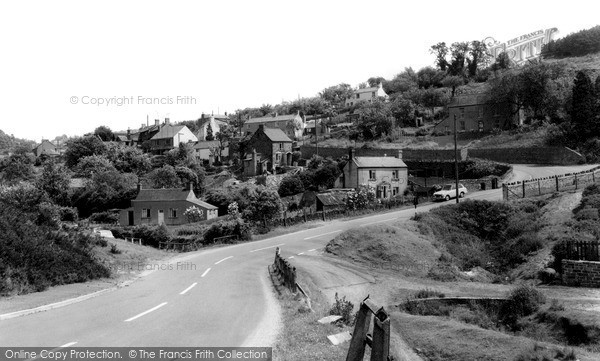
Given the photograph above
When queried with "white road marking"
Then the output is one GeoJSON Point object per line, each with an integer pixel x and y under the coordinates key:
{"type": "Point", "coordinates": [189, 288]}
{"type": "Point", "coordinates": [383, 220]}
{"type": "Point", "coordinates": [324, 234]}
{"type": "Point", "coordinates": [261, 249]}
{"type": "Point", "coordinates": [205, 272]}
{"type": "Point", "coordinates": [290, 257]}
{"type": "Point", "coordinates": [67, 344]}
{"type": "Point", "coordinates": [224, 259]}
{"type": "Point", "coordinates": [300, 254]}
{"type": "Point", "coordinates": [312, 250]}
{"type": "Point", "coordinates": [145, 312]}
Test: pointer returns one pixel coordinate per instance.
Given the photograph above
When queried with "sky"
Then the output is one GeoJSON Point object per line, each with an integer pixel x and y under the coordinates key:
{"type": "Point", "coordinates": [67, 67]}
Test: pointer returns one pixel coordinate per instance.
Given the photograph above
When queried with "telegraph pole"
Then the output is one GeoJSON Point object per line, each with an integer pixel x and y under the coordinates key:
{"type": "Point", "coordinates": [455, 159]}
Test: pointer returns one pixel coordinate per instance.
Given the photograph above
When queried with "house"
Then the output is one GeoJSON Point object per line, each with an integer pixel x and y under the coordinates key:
{"type": "Point", "coordinates": [270, 147]}
{"type": "Point", "coordinates": [312, 125]}
{"type": "Point", "coordinates": [209, 150]}
{"type": "Point", "coordinates": [215, 122]}
{"type": "Point", "coordinates": [46, 148]}
{"type": "Point", "coordinates": [366, 95]}
{"type": "Point", "coordinates": [387, 175]}
{"type": "Point", "coordinates": [169, 137]}
{"type": "Point", "coordinates": [292, 125]}
{"type": "Point", "coordinates": [164, 206]}
{"type": "Point", "coordinates": [145, 133]}
{"type": "Point", "coordinates": [475, 112]}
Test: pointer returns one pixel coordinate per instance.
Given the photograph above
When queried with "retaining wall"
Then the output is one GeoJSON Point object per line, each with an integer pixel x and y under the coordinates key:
{"type": "Point", "coordinates": [534, 155]}
{"type": "Point", "coordinates": [581, 273]}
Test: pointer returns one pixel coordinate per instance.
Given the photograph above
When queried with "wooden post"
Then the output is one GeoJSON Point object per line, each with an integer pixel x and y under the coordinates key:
{"type": "Point", "coordinates": [304, 213]}
{"type": "Point", "coordinates": [539, 188]}
{"type": "Point", "coordinates": [556, 178]}
{"type": "Point", "coordinates": [523, 189]}
{"type": "Point", "coordinates": [381, 340]}
{"type": "Point", "coordinates": [285, 218]}
{"type": "Point", "coordinates": [356, 351]}
{"type": "Point", "coordinates": [575, 180]}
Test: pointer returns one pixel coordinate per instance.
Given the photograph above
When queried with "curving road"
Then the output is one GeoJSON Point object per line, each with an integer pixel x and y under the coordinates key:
{"type": "Point", "coordinates": [217, 297]}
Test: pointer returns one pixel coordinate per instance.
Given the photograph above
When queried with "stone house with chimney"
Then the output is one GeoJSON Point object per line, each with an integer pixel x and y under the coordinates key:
{"type": "Point", "coordinates": [164, 206]}
{"type": "Point", "coordinates": [169, 137]}
{"type": "Point", "coordinates": [388, 176]}
{"type": "Point", "coordinates": [366, 95]}
{"type": "Point", "coordinates": [268, 148]}
{"type": "Point", "coordinates": [216, 121]}
{"type": "Point", "coordinates": [46, 148]}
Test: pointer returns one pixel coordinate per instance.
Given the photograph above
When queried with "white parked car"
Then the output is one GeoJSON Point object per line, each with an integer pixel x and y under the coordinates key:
{"type": "Point", "coordinates": [449, 191]}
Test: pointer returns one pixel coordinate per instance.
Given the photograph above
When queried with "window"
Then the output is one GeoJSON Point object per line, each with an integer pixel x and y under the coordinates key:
{"type": "Point", "coordinates": [280, 145]}
{"type": "Point", "coordinates": [395, 191]}
{"type": "Point", "coordinates": [463, 125]}
{"type": "Point", "coordinates": [357, 96]}
{"type": "Point", "coordinates": [462, 112]}
{"type": "Point", "coordinates": [172, 212]}
{"type": "Point", "coordinates": [373, 95]}
{"type": "Point", "coordinates": [372, 174]}
{"type": "Point", "coordinates": [395, 174]}
{"type": "Point", "coordinates": [145, 213]}
{"type": "Point", "coordinates": [480, 112]}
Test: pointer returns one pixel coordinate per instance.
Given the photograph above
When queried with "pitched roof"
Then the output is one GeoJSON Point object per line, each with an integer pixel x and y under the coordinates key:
{"type": "Point", "coordinates": [171, 194]}
{"type": "Point", "coordinates": [269, 118]}
{"type": "Point", "coordinates": [366, 90]}
{"type": "Point", "coordinates": [168, 194]}
{"type": "Point", "coordinates": [276, 135]}
{"type": "Point", "coordinates": [330, 199]}
{"type": "Point", "coordinates": [168, 131]}
{"type": "Point", "coordinates": [379, 162]}
{"type": "Point", "coordinates": [206, 144]}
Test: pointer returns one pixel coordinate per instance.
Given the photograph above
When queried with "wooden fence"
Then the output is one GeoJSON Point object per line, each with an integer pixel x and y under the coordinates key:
{"type": "Point", "coordinates": [379, 341]}
{"type": "Point", "coordinates": [539, 186]}
{"type": "Point", "coordinates": [583, 250]}
{"type": "Point", "coordinates": [286, 271]}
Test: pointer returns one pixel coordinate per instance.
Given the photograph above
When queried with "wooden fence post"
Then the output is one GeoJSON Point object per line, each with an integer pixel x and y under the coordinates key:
{"type": "Point", "coordinates": [523, 189]}
{"type": "Point", "coordinates": [575, 180]}
{"type": "Point", "coordinates": [356, 351]}
{"type": "Point", "coordinates": [381, 340]}
{"type": "Point", "coordinates": [556, 178]}
{"type": "Point", "coordinates": [539, 188]}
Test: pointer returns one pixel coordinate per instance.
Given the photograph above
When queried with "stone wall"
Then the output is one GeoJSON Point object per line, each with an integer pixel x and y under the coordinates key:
{"type": "Point", "coordinates": [535, 155]}
{"type": "Point", "coordinates": [410, 154]}
{"type": "Point", "coordinates": [581, 273]}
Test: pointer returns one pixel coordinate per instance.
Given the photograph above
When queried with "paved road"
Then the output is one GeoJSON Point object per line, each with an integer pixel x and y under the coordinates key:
{"type": "Point", "coordinates": [217, 297]}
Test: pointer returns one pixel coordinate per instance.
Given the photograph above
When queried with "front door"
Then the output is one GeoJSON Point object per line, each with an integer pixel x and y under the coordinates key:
{"type": "Point", "coordinates": [130, 218]}
{"type": "Point", "coordinates": [161, 216]}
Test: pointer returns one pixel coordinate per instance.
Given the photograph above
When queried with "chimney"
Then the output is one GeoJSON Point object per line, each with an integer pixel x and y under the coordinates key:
{"type": "Point", "coordinates": [261, 127]}
{"type": "Point", "coordinates": [139, 186]}
{"type": "Point", "coordinates": [350, 153]}
{"type": "Point", "coordinates": [167, 121]}
{"type": "Point", "coordinates": [399, 155]}
{"type": "Point", "coordinates": [190, 186]}
{"type": "Point", "coordinates": [156, 122]}
{"type": "Point", "coordinates": [142, 126]}
{"type": "Point", "coordinates": [225, 113]}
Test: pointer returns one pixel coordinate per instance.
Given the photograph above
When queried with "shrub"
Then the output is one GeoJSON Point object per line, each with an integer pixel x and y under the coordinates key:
{"type": "Point", "coordinates": [151, 235]}
{"type": "Point", "coordinates": [114, 249]}
{"type": "Point", "coordinates": [68, 214]}
{"type": "Point", "coordinates": [427, 293]}
{"type": "Point", "coordinates": [104, 217]}
{"type": "Point", "coordinates": [261, 180]}
{"type": "Point", "coordinates": [236, 227]}
{"type": "Point", "coordinates": [290, 185]}
{"type": "Point", "coordinates": [522, 301]}
{"type": "Point", "coordinates": [342, 307]}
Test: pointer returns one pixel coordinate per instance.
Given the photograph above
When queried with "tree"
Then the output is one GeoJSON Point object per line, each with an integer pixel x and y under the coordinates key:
{"type": "Point", "coordinates": [18, 166]}
{"type": "Point", "coordinates": [403, 111]}
{"type": "Point", "coordinates": [55, 182]}
{"type": "Point", "coordinates": [128, 159]}
{"type": "Point", "coordinates": [193, 214]}
{"type": "Point", "coordinates": [429, 77]}
{"type": "Point", "coordinates": [440, 50]}
{"type": "Point", "coordinates": [93, 164]}
{"type": "Point", "coordinates": [375, 81]}
{"type": "Point", "coordinates": [584, 114]}
{"type": "Point", "coordinates": [266, 109]}
{"type": "Point", "coordinates": [290, 185]}
{"type": "Point", "coordinates": [165, 177]}
{"type": "Point", "coordinates": [209, 133]}
{"type": "Point", "coordinates": [223, 136]}
{"type": "Point", "coordinates": [336, 95]}
{"type": "Point", "coordinates": [80, 147]}
{"type": "Point", "coordinates": [264, 204]}
{"type": "Point", "coordinates": [502, 62]}
{"type": "Point", "coordinates": [478, 55]}
{"type": "Point", "coordinates": [106, 190]}
{"type": "Point", "coordinates": [458, 51]}
{"type": "Point", "coordinates": [326, 175]}
{"type": "Point", "coordinates": [375, 119]}
{"type": "Point", "coordinates": [105, 134]}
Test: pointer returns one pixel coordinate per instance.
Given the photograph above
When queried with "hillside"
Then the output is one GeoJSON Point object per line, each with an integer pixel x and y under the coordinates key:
{"type": "Point", "coordinates": [8, 143]}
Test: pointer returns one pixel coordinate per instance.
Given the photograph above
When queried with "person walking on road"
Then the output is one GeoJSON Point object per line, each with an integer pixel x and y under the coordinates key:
{"type": "Point", "coordinates": [416, 200]}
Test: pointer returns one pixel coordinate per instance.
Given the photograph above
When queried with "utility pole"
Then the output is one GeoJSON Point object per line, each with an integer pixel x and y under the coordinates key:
{"type": "Point", "coordinates": [455, 159]}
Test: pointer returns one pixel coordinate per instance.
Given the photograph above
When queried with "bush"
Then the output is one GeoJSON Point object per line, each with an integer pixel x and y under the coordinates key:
{"type": "Point", "coordinates": [344, 308]}
{"type": "Point", "coordinates": [261, 180]}
{"type": "Point", "coordinates": [236, 227]}
{"type": "Point", "coordinates": [104, 217]}
{"type": "Point", "coordinates": [522, 301]}
{"type": "Point", "coordinates": [68, 214]}
{"type": "Point", "coordinates": [151, 235]}
{"type": "Point", "coordinates": [290, 186]}
{"type": "Point", "coordinates": [114, 249]}
{"type": "Point", "coordinates": [427, 293]}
